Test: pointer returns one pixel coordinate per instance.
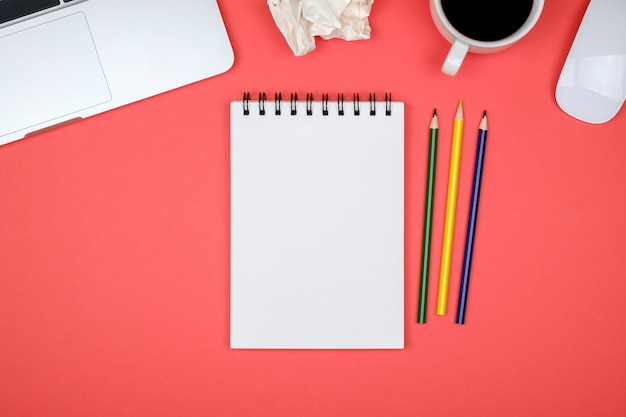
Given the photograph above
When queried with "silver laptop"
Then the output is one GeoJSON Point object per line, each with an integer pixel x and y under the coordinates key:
{"type": "Point", "coordinates": [62, 60]}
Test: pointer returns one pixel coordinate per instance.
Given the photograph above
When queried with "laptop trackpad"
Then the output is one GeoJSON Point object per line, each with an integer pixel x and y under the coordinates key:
{"type": "Point", "coordinates": [49, 72]}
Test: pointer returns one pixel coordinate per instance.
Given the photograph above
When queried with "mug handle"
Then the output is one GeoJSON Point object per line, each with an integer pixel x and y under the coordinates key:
{"type": "Point", "coordinates": [455, 57]}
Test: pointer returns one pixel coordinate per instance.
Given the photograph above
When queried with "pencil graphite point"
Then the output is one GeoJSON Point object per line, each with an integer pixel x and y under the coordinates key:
{"type": "Point", "coordinates": [459, 111]}
{"type": "Point", "coordinates": [483, 122]}
{"type": "Point", "coordinates": [434, 123]}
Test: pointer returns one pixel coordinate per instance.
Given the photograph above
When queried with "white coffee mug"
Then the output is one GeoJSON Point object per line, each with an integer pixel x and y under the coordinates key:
{"type": "Point", "coordinates": [462, 44]}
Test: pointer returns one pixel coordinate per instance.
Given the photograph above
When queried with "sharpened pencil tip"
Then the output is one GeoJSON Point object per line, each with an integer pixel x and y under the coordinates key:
{"type": "Point", "coordinates": [459, 111]}
{"type": "Point", "coordinates": [485, 113]}
{"type": "Point", "coordinates": [434, 123]}
{"type": "Point", "coordinates": [483, 122]}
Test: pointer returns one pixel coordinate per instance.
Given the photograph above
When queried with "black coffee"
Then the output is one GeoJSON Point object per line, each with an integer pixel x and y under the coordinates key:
{"type": "Point", "coordinates": [487, 20]}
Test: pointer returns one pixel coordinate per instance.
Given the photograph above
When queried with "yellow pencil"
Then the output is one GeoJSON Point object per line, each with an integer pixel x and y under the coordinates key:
{"type": "Point", "coordinates": [448, 228]}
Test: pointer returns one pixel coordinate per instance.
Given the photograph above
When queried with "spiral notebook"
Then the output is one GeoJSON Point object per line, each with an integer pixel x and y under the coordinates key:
{"type": "Point", "coordinates": [317, 223]}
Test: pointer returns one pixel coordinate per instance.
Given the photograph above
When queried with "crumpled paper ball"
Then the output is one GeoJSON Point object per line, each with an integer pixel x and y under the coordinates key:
{"type": "Point", "coordinates": [300, 21]}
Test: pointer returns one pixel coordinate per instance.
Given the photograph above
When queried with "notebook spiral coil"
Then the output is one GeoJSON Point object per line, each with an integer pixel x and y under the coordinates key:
{"type": "Point", "coordinates": [293, 104]}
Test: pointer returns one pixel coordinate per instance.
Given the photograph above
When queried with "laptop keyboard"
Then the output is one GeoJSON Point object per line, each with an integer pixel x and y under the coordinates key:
{"type": "Point", "coordinates": [15, 9]}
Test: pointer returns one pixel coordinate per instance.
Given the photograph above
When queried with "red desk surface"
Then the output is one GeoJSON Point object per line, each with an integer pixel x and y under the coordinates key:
{"type": "Point", "coordinates": [114, 243]}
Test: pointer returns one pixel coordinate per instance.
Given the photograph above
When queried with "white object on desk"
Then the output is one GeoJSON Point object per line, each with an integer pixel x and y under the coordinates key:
{"type": "Point", "coordinates": [317, 227]}
{"type": "Point", "coordinates": [301, 21]}
{"type": "Point", "coordinates": [81, 58]}
{"type": "Point", "coordinates": [592, 84]}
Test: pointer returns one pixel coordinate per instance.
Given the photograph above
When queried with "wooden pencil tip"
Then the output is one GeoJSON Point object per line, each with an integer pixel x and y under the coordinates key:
{"type": "Point", "coordinates": [434, 123]}
{"type": "Point", "coordinates": [485, 113]}
{"type": "Point", "coordinates": [459, 111]}
{"type": "Point", "coordinates": [483, 122]}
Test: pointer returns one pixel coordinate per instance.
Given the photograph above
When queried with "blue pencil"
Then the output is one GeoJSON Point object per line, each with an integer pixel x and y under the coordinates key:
{"type": "Point", "coordinates": [471, 223]}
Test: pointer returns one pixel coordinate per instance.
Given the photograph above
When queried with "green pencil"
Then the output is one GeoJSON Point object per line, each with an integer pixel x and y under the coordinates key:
{"type": "Point", "coordinates": [428, 219]}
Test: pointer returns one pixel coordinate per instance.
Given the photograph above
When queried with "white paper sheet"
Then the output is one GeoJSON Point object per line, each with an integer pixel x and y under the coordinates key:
{"type": "Point", "coordinates": [300, 21]}
{"type": "Point", "coordinates": [317, 227]}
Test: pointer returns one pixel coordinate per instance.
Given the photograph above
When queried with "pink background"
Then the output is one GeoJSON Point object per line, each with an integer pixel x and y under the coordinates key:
{"type": "Point", "coordinates": [114, 243]}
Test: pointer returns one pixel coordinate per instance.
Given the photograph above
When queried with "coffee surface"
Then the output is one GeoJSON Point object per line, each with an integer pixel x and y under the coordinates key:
{"type": "Point", "coordinates": [487, 20]}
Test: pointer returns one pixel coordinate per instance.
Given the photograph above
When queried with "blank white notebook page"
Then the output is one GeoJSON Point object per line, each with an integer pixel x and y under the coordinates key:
{"type": "Point", "coordinates": [317, 226]}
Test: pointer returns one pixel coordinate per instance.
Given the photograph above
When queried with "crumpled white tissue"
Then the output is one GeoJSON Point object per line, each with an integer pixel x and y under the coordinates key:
{"type": "Point", "coordinates": [301, 20]}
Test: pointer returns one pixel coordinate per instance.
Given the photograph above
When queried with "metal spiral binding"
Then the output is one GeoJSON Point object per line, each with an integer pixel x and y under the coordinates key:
{"type": "Point", "coordinates": [293, 102]}
{"type": "Point", "coordinates": [277, 98]}
{"type": "Point", "coordinates": [340, 104]}
{"type": "Point", "coordinates": [324, 104]}
{"type": "Point", "coordinates": [262, 98]}
{"type": "Point", "coordinates": [246, 104]}
{"type": "Point", "coordinates": [309, 104]}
